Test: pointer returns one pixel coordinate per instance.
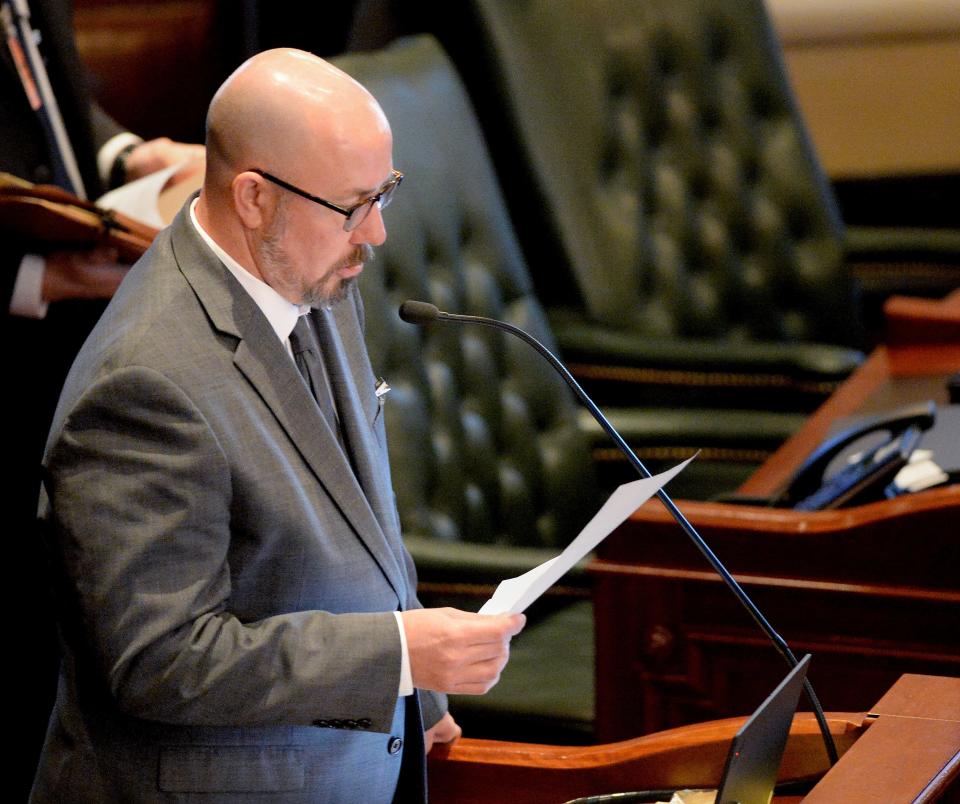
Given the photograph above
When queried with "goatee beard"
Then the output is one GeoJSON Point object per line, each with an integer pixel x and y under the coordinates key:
{"type": "Point", "coordinates": [316, 296]}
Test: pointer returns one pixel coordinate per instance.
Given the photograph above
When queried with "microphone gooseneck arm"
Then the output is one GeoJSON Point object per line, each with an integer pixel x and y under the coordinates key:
{"type": "Point", "coordinates": [421, 313]}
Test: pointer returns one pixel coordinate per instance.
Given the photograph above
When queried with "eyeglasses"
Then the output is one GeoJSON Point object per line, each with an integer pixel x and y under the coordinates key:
{"type": "Point", "coordinates": [354, 215]}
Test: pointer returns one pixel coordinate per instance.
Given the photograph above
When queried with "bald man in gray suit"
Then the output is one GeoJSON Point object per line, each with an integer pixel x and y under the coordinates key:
{"type": "Point", "coordinates": [238, 611]}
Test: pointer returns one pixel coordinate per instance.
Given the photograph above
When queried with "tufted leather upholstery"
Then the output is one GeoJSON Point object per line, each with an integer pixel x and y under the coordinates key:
{"type": "Point", "coordinates": [686, 195]}
{"type": "Point", "coordinates": [659, 295]}
{"type": "Point", "coordinates": [483, 435]}
{"type": "Point", "coordinates": [679, 234]}
{"type": "Point", "coordinates": [491, 471]}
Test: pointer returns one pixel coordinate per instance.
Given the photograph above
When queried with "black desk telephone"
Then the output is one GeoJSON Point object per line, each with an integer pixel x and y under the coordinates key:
{"type": "Point", "coordinates": [865, 479]}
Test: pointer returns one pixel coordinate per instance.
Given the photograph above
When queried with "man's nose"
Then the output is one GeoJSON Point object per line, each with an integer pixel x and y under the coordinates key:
{"type": "Point", "coordinates": [372, 230]}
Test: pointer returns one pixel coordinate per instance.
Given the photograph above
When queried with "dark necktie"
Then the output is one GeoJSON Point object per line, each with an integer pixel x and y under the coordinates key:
{"type": "Point", "coordinates": [309, 360]}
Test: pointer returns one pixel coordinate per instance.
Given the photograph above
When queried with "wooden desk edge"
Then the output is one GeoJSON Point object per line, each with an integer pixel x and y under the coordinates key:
{"type": "Point", "coordinates": [482, 770]}
{"type": "Point", "coordinates": [475, 771]}
{"type": "Point", "coordinates": [760, 519]}
{"type": "Point", "coordinates": [884, 363]}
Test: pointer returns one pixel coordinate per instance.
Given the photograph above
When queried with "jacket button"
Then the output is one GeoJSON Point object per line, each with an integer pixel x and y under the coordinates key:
{"type": "Point", "coordinates": [394, 746]}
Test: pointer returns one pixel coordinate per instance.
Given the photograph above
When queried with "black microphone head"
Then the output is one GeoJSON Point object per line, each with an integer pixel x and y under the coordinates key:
{"type": "Point", "coordinates": [418, 312]}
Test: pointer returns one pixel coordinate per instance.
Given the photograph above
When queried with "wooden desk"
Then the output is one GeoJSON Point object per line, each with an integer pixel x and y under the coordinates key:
{"type": "Point", "coordinates": [922, 352]}
{"type": "Point", "coordinates": [911, 751]}
{"type": "Point", "coordinates": [484, 771]}
{"type": "Point", "coordinates": [871, 591]}
{"type": "Point", "coordinates": [907, 748]}
{"type": "Point", "coordinates": [890, 378]}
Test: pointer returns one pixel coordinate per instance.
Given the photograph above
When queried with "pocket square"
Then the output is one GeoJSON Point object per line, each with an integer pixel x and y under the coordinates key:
{"type": "Point", "coordinates": [382, 390]}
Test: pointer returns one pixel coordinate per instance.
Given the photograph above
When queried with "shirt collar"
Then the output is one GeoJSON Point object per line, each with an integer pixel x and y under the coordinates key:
{"type": "Point", "coordinates": [281, 314]}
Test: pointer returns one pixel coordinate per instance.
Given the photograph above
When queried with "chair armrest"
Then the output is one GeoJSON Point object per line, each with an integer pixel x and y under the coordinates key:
{"type": "Point", "coordinates": [585, 342]}
{"type": "Point", "coordinates": [696, 428]}
{"type": "Point", "coordinates": [619, 368]}
{"type": "Point", "coordinates": [732, 443]}
{"type": "Point", "coordinates": [906, 261]}
{"type": "Point", "coordinates": [483, 564]}
{"type": "Point", "coordinates": [903, 244]}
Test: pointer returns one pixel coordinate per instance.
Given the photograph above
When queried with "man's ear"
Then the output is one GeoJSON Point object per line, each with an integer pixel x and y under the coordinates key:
{"type": "Point", "coordinates": [252, 200]}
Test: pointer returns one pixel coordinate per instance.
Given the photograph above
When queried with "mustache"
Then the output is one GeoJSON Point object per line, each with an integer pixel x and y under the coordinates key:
{"type": "Point", "coordinates": [363, 253]}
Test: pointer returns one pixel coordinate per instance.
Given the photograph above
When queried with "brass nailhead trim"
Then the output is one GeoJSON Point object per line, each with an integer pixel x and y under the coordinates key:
{"type": "Point", "coordinates": [702, 378]}
{"type": "Point", "coordinates": [611, 455]}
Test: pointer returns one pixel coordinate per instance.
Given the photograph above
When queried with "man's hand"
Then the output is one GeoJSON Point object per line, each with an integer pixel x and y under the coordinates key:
{"type": "Point", "coordinates": [444, 730]}
{"type": "Point", "coordinates": [456, 651]}
{"type": "Point", "coordinates": [153, 155]}
{"type": "Point", "coordinates": [93, 274]}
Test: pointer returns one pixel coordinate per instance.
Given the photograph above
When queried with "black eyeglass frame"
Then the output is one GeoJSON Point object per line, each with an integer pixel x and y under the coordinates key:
{"type": "Point", "coordinates": [383, 196]}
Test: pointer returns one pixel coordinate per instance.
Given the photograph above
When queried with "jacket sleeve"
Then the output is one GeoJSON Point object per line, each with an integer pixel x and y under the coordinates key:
{"type": "Point", "coordinates": [103, 126]}
{"type": "Point", "coordinates": [138, 503]}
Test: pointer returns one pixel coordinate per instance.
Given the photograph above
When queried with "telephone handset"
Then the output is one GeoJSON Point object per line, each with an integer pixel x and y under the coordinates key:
{"type": "Point", "coordinates": [865, 479]}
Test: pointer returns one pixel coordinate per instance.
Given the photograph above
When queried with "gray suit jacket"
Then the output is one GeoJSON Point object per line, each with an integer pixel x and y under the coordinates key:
{"type": "Point", "coordinates": [226, 577]}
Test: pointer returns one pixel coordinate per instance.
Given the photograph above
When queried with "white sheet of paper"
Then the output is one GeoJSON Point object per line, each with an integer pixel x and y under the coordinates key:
{"type": "Point", "coordinates": [138, 199]}
{"type": "Point", "coordinates": [514, 594]}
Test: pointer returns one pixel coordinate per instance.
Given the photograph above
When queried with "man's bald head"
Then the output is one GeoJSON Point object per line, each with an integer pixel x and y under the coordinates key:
{"type": "Point", "coordinates": [290, 114]}
{"type": "Point", "coordinates": [282, 108]}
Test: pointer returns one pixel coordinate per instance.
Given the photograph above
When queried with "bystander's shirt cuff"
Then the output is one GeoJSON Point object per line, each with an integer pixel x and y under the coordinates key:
{"type": "Point", "coordinates": [109, 152]}
{"type": "Point", "coordinates": [406, 676]}
{"type": "Point", "coordinates": [27, 297]}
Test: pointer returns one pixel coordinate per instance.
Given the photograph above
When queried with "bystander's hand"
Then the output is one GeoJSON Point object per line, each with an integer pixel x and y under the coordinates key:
{"type": "Point", "coordinates": [93, 274]}
{"type": "Point", "coordinates": [457, 651]}
{"type": "Point", "coordinates": [153, 155]}
{"type": "Point", "coordinates": [444, 730]}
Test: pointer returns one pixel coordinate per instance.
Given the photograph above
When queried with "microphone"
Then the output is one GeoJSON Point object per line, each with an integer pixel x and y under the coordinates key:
{"type": "Point", "coordinates": [419, 313]}
{"type": "Point", "coordinates": [423, 313]}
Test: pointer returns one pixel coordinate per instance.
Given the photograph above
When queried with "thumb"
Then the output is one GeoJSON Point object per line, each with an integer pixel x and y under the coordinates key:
{"type": "Point", "coordinates": [513, 623]}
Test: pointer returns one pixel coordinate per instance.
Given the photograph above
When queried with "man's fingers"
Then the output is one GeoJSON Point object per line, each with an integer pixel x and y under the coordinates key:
{"type": "Point", "coordinates": [485, 651]}
{"type": "Point", "coordinates": [456, 651]}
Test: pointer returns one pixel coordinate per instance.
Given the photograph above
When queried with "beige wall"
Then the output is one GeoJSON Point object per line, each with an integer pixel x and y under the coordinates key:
{"type": "Point", "coordinates": [878, 82]}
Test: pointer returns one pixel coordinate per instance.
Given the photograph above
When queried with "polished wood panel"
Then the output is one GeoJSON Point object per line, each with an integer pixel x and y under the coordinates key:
{"type": "Point", "coordinates": [911, 752]}
{"type": "Point", "coordinates": [870, 591]}
{"type": "Point", "coordinates": [913, 322]}
{"type": "Point", "coordinates": [155, 63]}
{"type": "Point", "coordinates": [906, 748]}
{"type": "Point", "coordinates": [475, 771]}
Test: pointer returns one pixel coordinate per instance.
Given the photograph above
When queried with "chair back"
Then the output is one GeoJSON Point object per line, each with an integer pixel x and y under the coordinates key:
{"type": "Point", "coordinates": [669, 159]}
{"type": "Point", "coordinates": [483, 435]}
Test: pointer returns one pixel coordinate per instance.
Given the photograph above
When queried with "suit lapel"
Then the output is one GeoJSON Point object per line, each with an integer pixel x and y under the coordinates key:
{"type": "Point", "coordinates": [266, 365]}
{"type": "Point", "coordinates": [352, 384]}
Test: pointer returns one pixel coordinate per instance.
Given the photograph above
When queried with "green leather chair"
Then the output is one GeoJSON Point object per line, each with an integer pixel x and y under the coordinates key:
{"type": "Point", "coordinates": [679, 233]}
{"type": "Point", "coordinates": [492, 471]}
{"type": "Point", "coordinates": [675, 172]}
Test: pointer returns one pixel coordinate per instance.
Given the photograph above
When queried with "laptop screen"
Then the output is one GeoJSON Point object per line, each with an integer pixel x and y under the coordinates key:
{"type": "Point", "coordinates": [754, 758]}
